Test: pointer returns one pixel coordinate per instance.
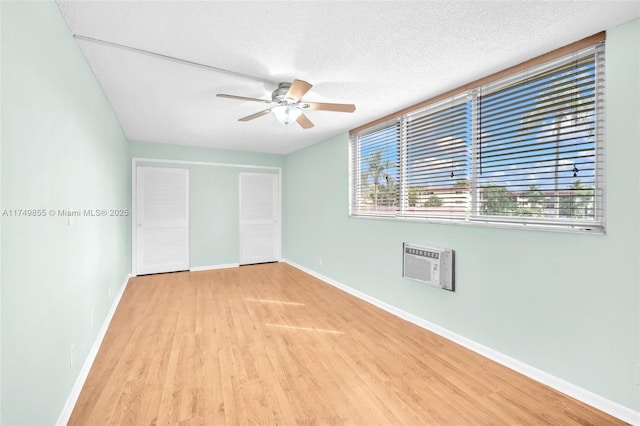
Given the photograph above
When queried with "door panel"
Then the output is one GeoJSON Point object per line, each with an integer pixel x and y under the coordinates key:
{"type": "Point", "coordinates": [162, 220]}
{"type": "Point", "coordinates": [259, 218]}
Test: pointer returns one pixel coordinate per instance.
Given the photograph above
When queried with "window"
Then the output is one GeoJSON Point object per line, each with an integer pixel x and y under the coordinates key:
{"type": "Point", "coordinates": [377, 160]}
{"type": "Point", "coordinates": [526, 149]}
{"type": "Point", "coordinates": [438, 141]}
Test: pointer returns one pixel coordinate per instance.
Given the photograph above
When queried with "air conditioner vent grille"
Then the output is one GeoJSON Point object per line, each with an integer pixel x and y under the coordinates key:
{"type": "Point", "coordinates": [430, 265]}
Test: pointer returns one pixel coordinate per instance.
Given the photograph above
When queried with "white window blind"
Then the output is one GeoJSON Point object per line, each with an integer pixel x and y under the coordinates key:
{"type": "Point", "coordinates": [438, 142]}
{"type": "Point", "coordinates": [538, 155]}
{"type": "Point", "coordinates": [377, 164]}
{"type": "Point", "coordinates": [523, 150]}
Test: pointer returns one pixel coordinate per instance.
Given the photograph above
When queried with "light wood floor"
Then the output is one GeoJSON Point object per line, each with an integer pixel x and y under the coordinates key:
{"type": "Point", "coordinates": [268, 344]}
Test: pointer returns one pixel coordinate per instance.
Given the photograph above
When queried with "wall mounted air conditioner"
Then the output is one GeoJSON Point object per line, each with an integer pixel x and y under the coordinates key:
{"type": "Point", "coordinates": [430, 265]}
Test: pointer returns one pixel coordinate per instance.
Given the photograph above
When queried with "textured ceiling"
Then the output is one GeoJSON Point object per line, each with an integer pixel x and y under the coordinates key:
{"type": "Point", "coordinates": [381, 56]}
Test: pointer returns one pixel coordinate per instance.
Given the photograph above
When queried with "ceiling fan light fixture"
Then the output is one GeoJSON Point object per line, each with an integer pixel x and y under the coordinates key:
{"type": "Point", "coordinates": [286, 114]}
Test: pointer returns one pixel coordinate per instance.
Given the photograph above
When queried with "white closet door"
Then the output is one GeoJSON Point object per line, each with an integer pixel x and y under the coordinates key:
{"type": "Point", "coordinates": [259, 218]}
{"type": "Point", "coordinates": [162, 219]}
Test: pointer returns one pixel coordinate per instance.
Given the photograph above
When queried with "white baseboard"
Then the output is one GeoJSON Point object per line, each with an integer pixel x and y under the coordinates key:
{"type": "Point", "coordinates": [211, 267]}
{"type": "Point", "coordinates": [63, 419]}
{"type": "Point", "coordinates": [610, 407]}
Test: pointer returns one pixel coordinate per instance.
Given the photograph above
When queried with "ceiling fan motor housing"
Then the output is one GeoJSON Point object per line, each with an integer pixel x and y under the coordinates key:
{"type": "Point", "coordinates": [280, 94]}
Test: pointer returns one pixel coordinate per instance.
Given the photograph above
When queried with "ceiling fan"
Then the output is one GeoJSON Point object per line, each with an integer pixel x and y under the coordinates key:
{"type": "Point", "coordinates": [287, 104]}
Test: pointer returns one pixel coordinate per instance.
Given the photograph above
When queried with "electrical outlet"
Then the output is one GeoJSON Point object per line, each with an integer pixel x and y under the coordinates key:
{"type": "Point", "coordinates": [320, 260]}
{"type": "Point", "coordinates": [72, 355]}
{"type": "Point", "coordinates": [109, 291]}
{"type": "Point", "coordinates": [92, 321]}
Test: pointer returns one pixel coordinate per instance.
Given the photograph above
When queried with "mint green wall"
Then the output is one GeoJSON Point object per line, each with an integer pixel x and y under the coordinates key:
{"type": "Point", "coordinates": [62, 147]}
{"type": "Point", "coordinates": [214, 195]}
{"type": "Point", "coordinates": [565, 303]}
{"type": "Point", "coordinates": [214, 216]}
{"type": "Point", "coordinates": [1, 221]}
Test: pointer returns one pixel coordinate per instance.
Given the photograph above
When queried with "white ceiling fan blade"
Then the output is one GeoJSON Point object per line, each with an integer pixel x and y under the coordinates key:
{"type": "Point", "coordinates": [256, 115]}
{"type": "Point", "coordinates": [242, 98]}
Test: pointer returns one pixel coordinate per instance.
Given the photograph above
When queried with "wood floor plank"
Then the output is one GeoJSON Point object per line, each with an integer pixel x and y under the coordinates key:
{"type": "Point", "coordinates": [271, 345]}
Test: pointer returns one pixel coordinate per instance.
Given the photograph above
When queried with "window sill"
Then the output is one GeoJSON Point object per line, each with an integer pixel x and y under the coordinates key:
{"type": "Point", "coordinates": [594, 229]}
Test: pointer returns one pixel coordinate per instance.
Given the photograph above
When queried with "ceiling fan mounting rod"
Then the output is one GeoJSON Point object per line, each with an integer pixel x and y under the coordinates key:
{"type": "Point", "coordinates": [173, 59]}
